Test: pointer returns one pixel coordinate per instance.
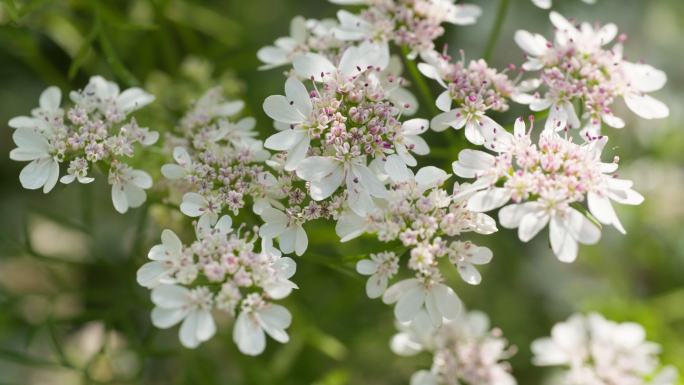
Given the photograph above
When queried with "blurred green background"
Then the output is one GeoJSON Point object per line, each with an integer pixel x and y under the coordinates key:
{"type": "Point", "coordinates": [71, 312]}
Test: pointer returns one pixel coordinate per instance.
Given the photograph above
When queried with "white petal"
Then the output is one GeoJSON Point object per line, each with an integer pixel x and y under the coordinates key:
{"type": "Point", "coordinates": [643, 77]}
{"type": "Point", "coordinates": [601, 208]}
{"type": "Point", "coordinates": [301, 241]}
{"type": "Point", "coordinates": [531, 224]}
{"type": "Point", "coordinates": [248, 335]}
{"type": "Point", "coordinates": [396, 169]}
{"type": "Point", "coordinates": [375, 286]}
{"type": "Point", "coordinates": [51, 98]}
{"type": "Point", "coordinates": [165, 318]}
{"type": "Point", "coordinates": [53, 175]}
{"type": "Point", "coordinates": [582, 229]}
{"type": "Point", "coordinates": [646, 106]}
{"type": "Point", "coordinates": [170, 296]}
{"type": "Point", "coordinates": [469, 274]}
{"type": "Point", "coordinates": [206, 327]}
{"type": "Point", "coordinates": [278, 108]}
{"type": "Point", "coordinates": [444, 101]}
{"type": "Point", "coordinates": [369, 181]}
{"type": "Point", "coordinates": [135, 196]}
{"type": "Point", "coordinates": [188, 331]}
{"type": "Point", "coordinates": [296, 92]}
{"type": "Point", "coordinates": [119, 198]}
{"type": "Point", "coordinates": [327, 185]}
{"type": "Point", "coordinates": [140, 179]}
{"type": "Point", "coordinates": [350, 226]}
{"type": "Point", "coordinates": [415, 126]}
{"type": "Point", "coordinates": [533, 44]}
{"type": "Point", "coordinates": [447, 301]}
{"type": "Point", "coordinates": [511, 215]}
{"type": "Point", "coordinates": [148, 275]}
{"type": "Point", "coordinates": [563, 244]}
{"type": "Point", "coordinates": [193, 204]}
{"type": "Point", "coordinates": [430, 176]}
{"type": "Point", "coordinates": [275, 319]}
{"type": "Point", "coordinates": [133, 99]}
{"type": "Point", "coordinates": [490, 199]}
{"type": "Point", "coordinates": [395, 291]}
{"type": "Point", "coordinates": [173, 171]}
{"type": "Point", "coordinates": [409, 304]}
{"type": "Point", "coordinates": [366, 267]}
{"type": "Point", "coordinates": [312, 65]}
{"type": "Point", "coordinates": [472, 162]}
{"type": "Point", "coordinates": [454, 118]}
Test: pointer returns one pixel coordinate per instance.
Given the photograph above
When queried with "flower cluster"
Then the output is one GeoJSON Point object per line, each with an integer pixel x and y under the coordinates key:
{"type": "Point", "coordinates": [330, 134]}
{"type": "Point", "coordinates": [579, 71]}
{"type": "Point", "coordinates": [425, 218]}
{"type": "Point", "coordinates": [305, 36]}
{"type": "Point", "coordinates": [219, 271]}
{"type": "Point", "coordinates": [547, 182]}
{"type": "Point", "coordinates": [93, 133]}
{"type": "Point", "coordinates": [596, 351]}
{"type": "Point", "coordinates": [465, 351]}
{"type": "Point", "coordinates": [414, 24]}
{"type": "Point", "coordinates": [472, 89]}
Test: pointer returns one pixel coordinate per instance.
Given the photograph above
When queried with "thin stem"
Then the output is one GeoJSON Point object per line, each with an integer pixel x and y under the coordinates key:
{"type": "Point", "coordinates": [419, 82]}
{"type": "Point", "coordinates": [496, 30]}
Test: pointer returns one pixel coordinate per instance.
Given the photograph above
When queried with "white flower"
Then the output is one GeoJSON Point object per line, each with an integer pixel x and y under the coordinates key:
{"type": "Point", "coordinates": [465, 255]}
{"type": "Point", "coordinates": [293, 109]}
{"type": "Point", "coordinates": [106, 96]}
{"type": "Point", "coordinates": [408, 140]}
{"type": "Point", "coordinates": [43, 169]}
{"type": "Point", "coordinates": [611, 188]}
{"type": "Point", "coordinates": [47, 115]}
{"type": "Point", "coordinates": [478, 126]}
{"type": "Point", "coordinates": [380, 267]}
{"type": "Point", "coordinates": [327, 173]}
{"type": "Point", "coordinates": [412, 295]}
{"type": "Point", "coordinates": [465, 350]}
{"type": "Point", "coordinates": [183, 166]}
{"type": "Point", "coordinates": [77, 171]}
{"type": "Point", "coordinates": [288, 229]}
{"type": "Point", "coordinates": [581, 51]}
{"type": "Point", "coordinates": [567, 226]}
{"type": "Point", "coordinates": [252, 325]}
{"type": "Point", "coordinates": [166, 260]}
{"type": "Point", "coordinates": [279, 285]}
{"type": "Point", "coordinates": [598, 351]}
{"type": "Point", "coordinates": [285, 48]}
{"type": "Point", "coordinates": [195, 205]}
{"type": "Point", "coordinates": [354, 60]}
{"type": "Point", "coordinates": [128, 186]}
{"type": "Point", "coordinates": [175, 304]}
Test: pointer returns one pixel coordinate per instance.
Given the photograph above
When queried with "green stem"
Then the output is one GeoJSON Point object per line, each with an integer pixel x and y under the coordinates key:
{"type": "Point", "coordinates": [496, 30]}
{"type": "Point", "coordinates": [419, 81]}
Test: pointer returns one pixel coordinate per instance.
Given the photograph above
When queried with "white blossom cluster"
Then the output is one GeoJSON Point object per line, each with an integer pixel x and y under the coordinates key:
{"type": "Point", "coordinates": [596, 351]}
{"type": "Point", "coordinates": [583, 78]}
{"type": "Point", "coordinates": [219, 271]}
{"type": "Point", "coordinates": [425, 218]}
{"type": "Point", "coordinates": [547, 182]}
{"type": "Point", "coordinates": [472, 90]}
{"type": "Point", "coordinates": [95, 132]}
{"type": "Point", "coordinates": [465, 351]}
